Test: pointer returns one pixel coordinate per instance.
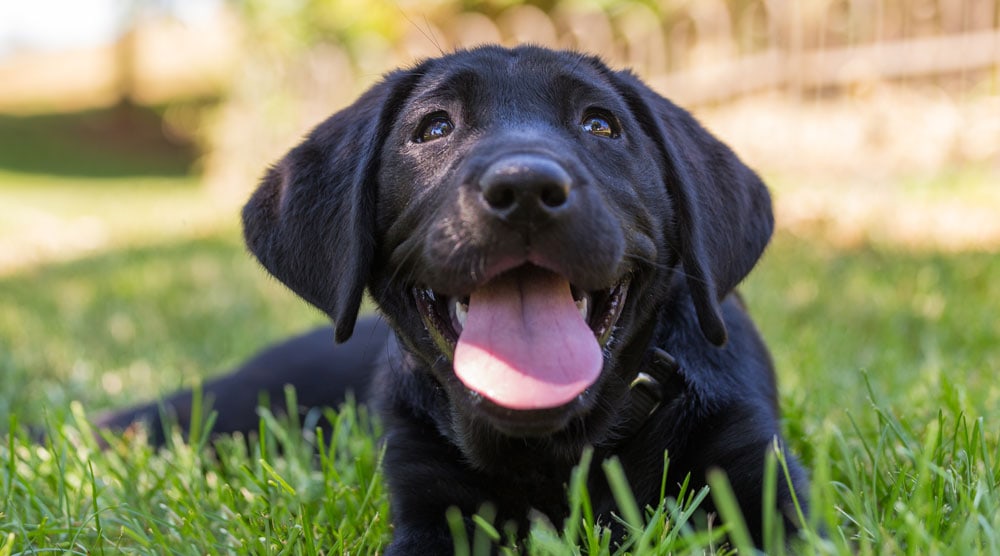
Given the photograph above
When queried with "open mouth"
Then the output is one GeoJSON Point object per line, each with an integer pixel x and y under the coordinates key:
{"type": "Point", "coordinates": [528, 339]}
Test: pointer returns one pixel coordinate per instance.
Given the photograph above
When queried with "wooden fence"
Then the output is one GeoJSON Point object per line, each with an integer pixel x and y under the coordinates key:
{"type": "Point", "coordinates": [710, 50]}
{"type": "Point", "coordinates": [697, 52]}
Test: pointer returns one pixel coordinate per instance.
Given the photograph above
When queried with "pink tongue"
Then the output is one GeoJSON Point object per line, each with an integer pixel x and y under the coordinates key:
{"type": "Point", "coordinates": [525, 344]}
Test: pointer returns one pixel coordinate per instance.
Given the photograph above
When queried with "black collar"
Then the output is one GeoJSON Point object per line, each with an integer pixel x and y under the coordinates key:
{"type": "Point", "coordinates": [657, 382]}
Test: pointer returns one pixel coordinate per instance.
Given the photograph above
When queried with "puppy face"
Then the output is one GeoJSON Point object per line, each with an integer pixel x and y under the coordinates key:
{"type": "Point", "coordinates": [521, 216]}
{"type": "Point", "coordinates": [519, 220]}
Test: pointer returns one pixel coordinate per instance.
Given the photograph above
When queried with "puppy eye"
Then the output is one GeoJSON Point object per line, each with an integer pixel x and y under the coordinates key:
{"type": "Point", "coordinates": [601, 124]}
{"type": "Point", "coordinates": [435, 126]}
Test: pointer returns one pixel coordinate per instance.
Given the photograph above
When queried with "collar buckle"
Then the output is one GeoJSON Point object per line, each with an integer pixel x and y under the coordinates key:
{"type": "Point", "coordinates": [655, 384]}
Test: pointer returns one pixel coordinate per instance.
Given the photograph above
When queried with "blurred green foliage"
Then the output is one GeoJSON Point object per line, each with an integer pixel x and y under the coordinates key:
{"type": "Point", "coordinates": [125, 140]}
{"type": "Point", "coordinates": [357, 25]}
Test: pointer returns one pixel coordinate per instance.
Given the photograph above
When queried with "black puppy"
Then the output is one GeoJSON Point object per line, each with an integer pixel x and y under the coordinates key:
{"type": "Point", "coordinates": [554, 249]}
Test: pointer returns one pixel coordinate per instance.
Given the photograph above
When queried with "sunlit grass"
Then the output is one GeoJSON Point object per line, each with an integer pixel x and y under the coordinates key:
{"type": "Point", "coordinates": [954, 209]}
{"type": "Point", "coordinates": [52, 218]}
{"type": "Point", "coordinates": [241, 497]}
{"type": "Point", "coordinates": [134, 323]}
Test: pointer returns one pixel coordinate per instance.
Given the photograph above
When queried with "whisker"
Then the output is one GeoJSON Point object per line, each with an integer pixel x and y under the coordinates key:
{"type": "Point", "coordinates": [410, 252]}
{"type": "Point", "coordinates": [427, 31]}
{"type": "Point", "coordinates": [655, 264]}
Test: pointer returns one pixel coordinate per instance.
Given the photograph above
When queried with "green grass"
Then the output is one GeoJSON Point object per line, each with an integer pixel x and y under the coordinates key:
{"type": "Point", "coordinates": [51, 217]}
{"type": "Point", "coordinates": [887, 363]}
{"type": "Point", "coordinates": [244, 498]}
{"type": "Point", "coordinates": [136, 322]}
{"type": "Point", "coordinates": [104, 143]}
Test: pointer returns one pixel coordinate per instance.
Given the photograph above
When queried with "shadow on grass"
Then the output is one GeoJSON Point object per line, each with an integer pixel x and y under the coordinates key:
{"type": "Point", "coordinates": [127, 325]}
{"type": "Point", "coordinates": [120, 141]}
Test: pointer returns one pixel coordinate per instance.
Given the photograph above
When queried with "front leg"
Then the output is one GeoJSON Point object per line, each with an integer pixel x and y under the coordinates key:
{"type": "Point", "coordinates": [739, 445]}
{"type": "Point", "coordinates": [426, 476]}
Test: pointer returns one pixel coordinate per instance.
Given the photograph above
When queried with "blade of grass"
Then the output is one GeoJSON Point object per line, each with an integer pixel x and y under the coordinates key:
{"type": "Point", "coordinates": [99, 530]}
{"type": "Point", "coordinates": [11, 461]}
{"type": "Point", "coordinates": [729, 510]}
{"type": "Point", "coordinates": [485, 534]}
{"type": "Point", "coordinates": [579, 501]}
{"type": "Point", "coordinates": [8, 544]}
{"type": "Point", "coordinates": [621, 491]}
{"type": "Point", "coordinates": [773, 536]}
{"type": "Point", "coordinates": [459, 535]}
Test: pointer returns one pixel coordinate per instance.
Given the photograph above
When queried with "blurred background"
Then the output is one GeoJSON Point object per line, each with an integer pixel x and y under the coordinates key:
{"type": "Point", "coordinates": [131, 131]}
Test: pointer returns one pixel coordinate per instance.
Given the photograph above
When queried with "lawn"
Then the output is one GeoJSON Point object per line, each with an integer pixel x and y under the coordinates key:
{"type": "Point", "coordinates": [887, 359]}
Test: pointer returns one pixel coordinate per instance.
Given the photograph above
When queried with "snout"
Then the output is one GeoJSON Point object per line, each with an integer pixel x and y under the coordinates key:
{"type": "Point", "coordinates": [526, 189]}
{"type": "Point", "coordinates": [509, 203]}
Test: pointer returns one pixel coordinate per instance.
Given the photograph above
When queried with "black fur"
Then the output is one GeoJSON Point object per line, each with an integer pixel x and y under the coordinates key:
{"type": "Point", "coordinates": [365, 202]}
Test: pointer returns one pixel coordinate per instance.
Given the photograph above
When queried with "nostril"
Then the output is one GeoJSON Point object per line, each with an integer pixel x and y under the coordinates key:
{"type": "Point", "coordinates": [500, 197]}
{"type": "Point", "coordinates": [554, 195]}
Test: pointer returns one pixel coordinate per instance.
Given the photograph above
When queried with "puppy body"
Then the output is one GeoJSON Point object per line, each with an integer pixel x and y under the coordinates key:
{"type": "Point", "coordinates": [721, 415]}
{"type": "Point", "coordinates": [494, 191]}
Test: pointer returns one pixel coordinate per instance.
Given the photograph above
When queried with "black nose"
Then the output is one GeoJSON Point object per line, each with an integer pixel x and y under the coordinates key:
{"type": "Point", "coordinates": [525, 187]}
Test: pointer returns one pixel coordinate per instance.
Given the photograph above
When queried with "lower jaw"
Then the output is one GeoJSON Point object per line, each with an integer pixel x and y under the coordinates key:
{"type": "Point", "coordinates": [526, 423]}
{"type": "Point", "coordinates": [502, 445]}
{"type": "Point", "coordinates": [522, 423]}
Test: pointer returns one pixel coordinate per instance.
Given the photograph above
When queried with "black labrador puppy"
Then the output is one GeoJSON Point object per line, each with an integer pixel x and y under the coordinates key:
{"type": "Point", "coordinates": [554, 248]}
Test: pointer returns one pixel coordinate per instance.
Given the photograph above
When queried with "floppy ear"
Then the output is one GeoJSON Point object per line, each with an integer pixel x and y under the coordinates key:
{"type": "Point", "coordinates": [723, 210]}
{"type": "Point", "coordinates": [311, 222]}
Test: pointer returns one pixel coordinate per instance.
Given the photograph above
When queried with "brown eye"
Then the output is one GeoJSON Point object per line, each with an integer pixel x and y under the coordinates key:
{"type": "Point", "coordinates": [600, 123]}
{"type": "Point", "coordinates": [435, 126]}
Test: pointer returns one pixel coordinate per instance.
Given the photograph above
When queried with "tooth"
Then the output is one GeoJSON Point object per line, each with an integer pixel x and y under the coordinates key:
{"type": "Point", "coordinates": [430, 294]}
{"type": "Point", "coordinates": [461, 312]}
{"type": "Point", "coordinates": [581, 305]}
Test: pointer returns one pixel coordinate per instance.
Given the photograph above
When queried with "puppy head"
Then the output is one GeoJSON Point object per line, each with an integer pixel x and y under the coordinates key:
{"type": "Point", "coordinates": [519, 215]}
